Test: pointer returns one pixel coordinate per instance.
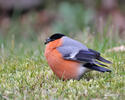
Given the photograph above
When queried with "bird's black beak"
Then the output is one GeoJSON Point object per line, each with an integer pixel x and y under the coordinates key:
{"type": "Point", "coordinates": [47, 41]}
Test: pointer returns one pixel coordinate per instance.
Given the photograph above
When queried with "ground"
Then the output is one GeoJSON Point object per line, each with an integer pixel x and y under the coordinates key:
{"type": "Point", "coordinates": [25, 74]}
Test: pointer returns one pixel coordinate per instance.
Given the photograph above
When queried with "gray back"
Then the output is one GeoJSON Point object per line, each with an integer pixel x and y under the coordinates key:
{"type": "Point", "coordinates": [70, 46]}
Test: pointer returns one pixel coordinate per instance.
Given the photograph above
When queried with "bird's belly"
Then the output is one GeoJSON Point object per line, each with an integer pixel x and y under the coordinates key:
{"type": "Point", "coordinates": [82, 70]}
{"type": "Point", "coordinates": [64, 69]}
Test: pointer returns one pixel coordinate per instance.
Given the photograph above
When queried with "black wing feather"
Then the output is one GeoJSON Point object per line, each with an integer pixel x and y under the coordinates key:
{"type": "Point", "coordinates": [85, 56]}
{"type": "Point", "coordinates": [95, 52]}
{"type": "Point", "coordinates": [99, 57]}
{"type": "Point", "coordinates": [96, 62]}
{"type": "Point", "coordinates": [103, 60]}
{"type": "Point", "coordinates": [89, 56]}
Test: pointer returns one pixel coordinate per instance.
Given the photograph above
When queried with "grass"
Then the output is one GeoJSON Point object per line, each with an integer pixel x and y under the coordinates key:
{"type": "Point", "coordinates": [25, 74]}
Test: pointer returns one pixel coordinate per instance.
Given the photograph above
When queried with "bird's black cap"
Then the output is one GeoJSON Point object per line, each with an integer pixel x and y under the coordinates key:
{"type": "Point", "coordinates": [54, 37]}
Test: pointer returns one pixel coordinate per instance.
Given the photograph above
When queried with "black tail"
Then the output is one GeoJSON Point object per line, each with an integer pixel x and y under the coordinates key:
{"type": "Point", "coordinates": [103, 60]}
{"type": "Point", "coordinates": [96, 67]}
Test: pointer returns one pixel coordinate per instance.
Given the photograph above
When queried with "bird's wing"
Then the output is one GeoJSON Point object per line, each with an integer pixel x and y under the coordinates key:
{"type": "Point", "coordinates": [74, 50]}
{"type": "Point", "coordinates": [83, 56]}
{"type": "Point", "coordinates": [98, 56]}
{"type": "Point", "coordinates": [90, 59]}
{"type": "Point", "coordinates": [89, 56]}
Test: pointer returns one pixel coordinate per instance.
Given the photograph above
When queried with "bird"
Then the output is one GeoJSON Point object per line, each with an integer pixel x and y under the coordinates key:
{"type": "Point", "coordinates": [70, 59]}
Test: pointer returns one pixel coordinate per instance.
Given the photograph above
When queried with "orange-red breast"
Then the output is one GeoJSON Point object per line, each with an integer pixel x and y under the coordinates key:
{"type": "Point", "coordinates": [70, 59]}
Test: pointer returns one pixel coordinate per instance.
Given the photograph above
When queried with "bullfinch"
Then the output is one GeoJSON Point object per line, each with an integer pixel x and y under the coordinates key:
{"type": "Point", "coordinates": [70, 59]}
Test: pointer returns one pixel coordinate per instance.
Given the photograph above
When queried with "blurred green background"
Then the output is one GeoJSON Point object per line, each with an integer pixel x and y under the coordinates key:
{"type": "Point", "coordinates": [37, 19]}
{"type": "Point", "coordinates": [98, 21]}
